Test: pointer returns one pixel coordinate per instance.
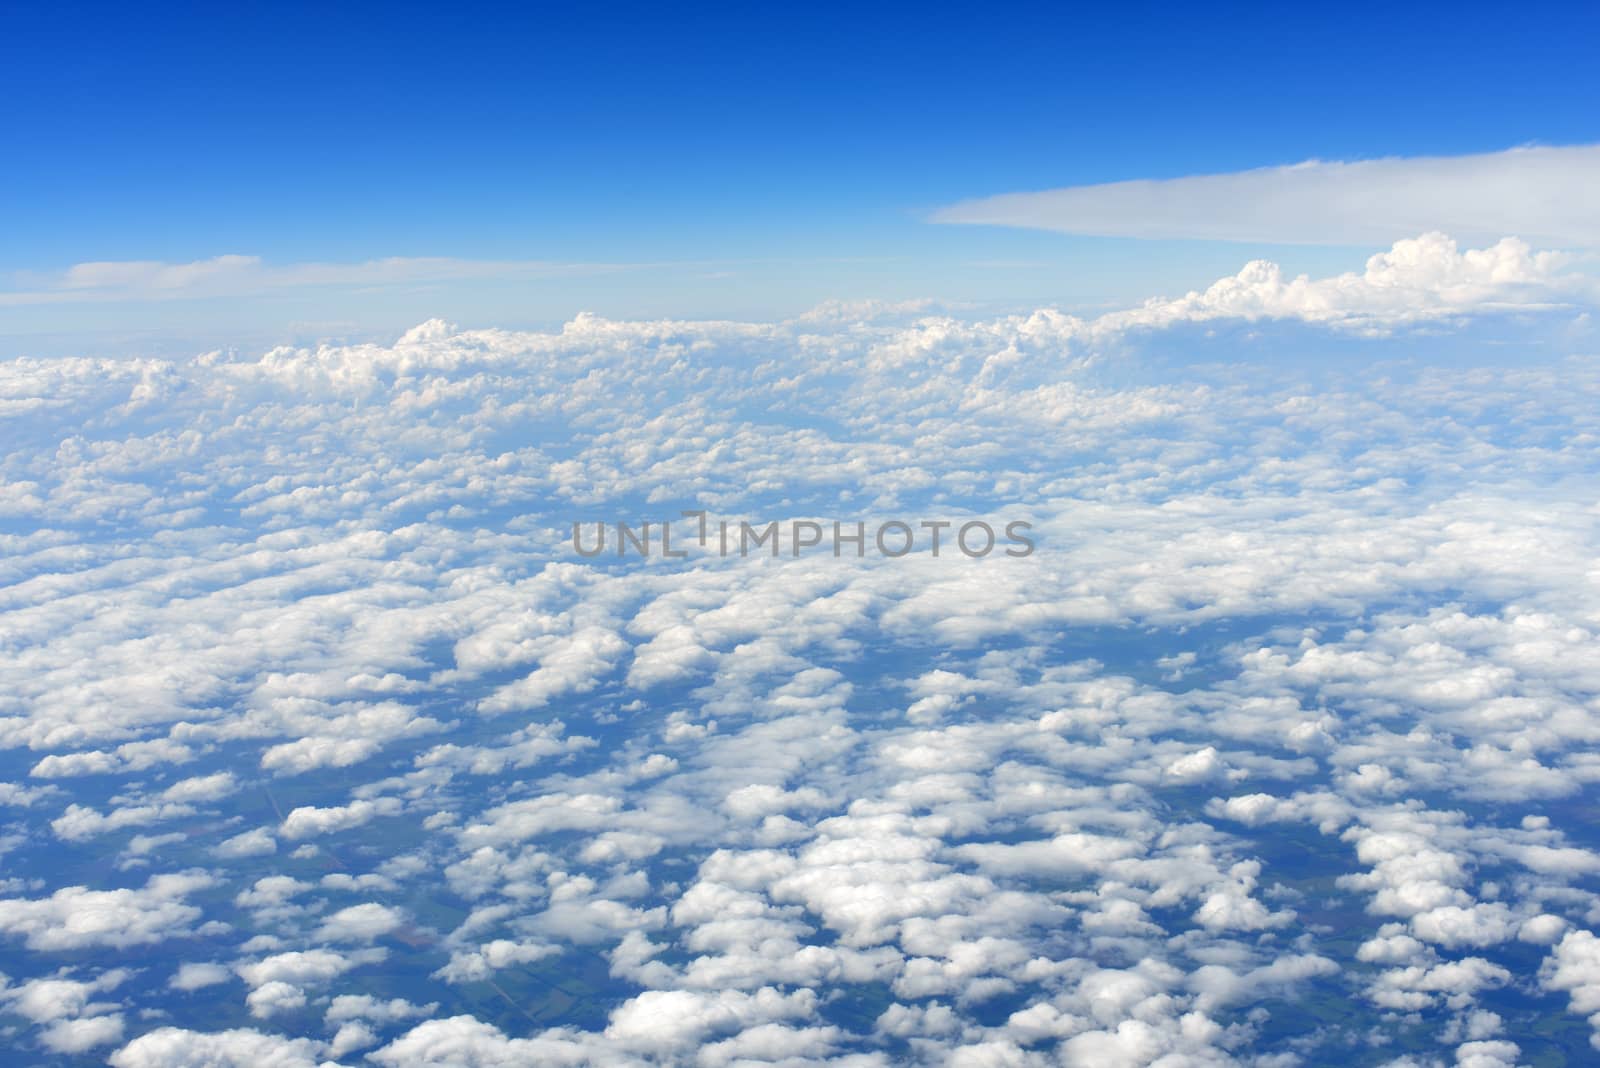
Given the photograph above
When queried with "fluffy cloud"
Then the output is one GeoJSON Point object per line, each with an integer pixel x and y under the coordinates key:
{"type": "Point", "coordinates": [1574, 968]}
{"type": "Point", "coordinates": [1420, 278]}
{"type": "Point", "coordinates": [1297, 642]}
{"type": "Point", "coordinates": [309, 821]}
{"type": "Point", "coordinates": [172, 1047]}
{"type": "Point", "coordinates": [361, 923]}
{"type": "Point", "coordinates": [82, 1035]}
{"type": "Point", "coordinates": [193, 975]}
{"type": "Point", "coordinates": [256, 843]}
{"type": "Point", "coordinates": [76, 917]}
{"type": "Point", "coordinates": [476, 965]}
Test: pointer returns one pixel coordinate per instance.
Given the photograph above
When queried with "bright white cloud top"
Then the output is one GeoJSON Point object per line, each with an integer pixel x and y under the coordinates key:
{"type": "Point", "coordinates": [1544, 194]}
{"type": "Point", "coordinates": [321, 744]}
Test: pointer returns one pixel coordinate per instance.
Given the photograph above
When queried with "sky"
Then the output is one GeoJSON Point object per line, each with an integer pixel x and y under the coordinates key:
{"type": "Point", "coordinates": [736, 162]}
{"type": "Point", "coordinates": [326, 740]}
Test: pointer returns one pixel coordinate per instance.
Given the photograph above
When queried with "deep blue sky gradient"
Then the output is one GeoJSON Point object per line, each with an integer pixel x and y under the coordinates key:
{"type": "Point", "coordinates": [634, 133]}
{"type": "Point", "coordinates": [616, 130]}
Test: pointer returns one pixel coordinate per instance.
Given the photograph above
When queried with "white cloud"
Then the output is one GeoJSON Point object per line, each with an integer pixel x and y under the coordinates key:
{"type": "Point", "coordinates": [76, 917]}
{"type": "Point", "coordinates": [298, 967]}
{"type": "Point", "coordinates": [759, 806]}
{"type": "Point", "coordinates": [16, 796]}
{"type": "Point", "coordinates": [83, 1034]}
{"type": "Point", "coordinates": [664, 1020]}
{"type": "Point", "coordinates": [475, 965]}
{"type": "Point", "coordinates": [236, 275]}
{"type": "Point", "coordinates": [270, 892]}
{"type": "Point", "coordinates": [307, 754]}
{"type": "Point", "coordinates": [346, 1007]}
{"type": "Point", "coordinates": [196, 975]}
{"type": "Point", "coordinates": [254, 843]}
{"type": "Point", "coordinates": [79, 822]}
{"type": "Point", "coordinates": [308, 821]}
{"type": "Point", "coordinates": [131, 756]}
{"type": "Point", "coordinates": [1202, 765]}
{"type": "Point", "coordinates": [1454, 926]}
{"type": "Point", "coordinates": [44, 1000]}
{"type": "Point", "coordinates": [468, 1041]}
{"type": "Point", "coordinates": [175, 1047]}
{"type": "Point", "coordinates": [201, 788]}
{"type": "Point", "coordinates": [274, 997]}
{"type": "Point", "coordinates": [1418, 279]}
{"type": "Point", "coordinates": [277, 983]}
{"type": "Point", "coordinates": [1574, 967]}
{"type": "Point", "coordinates": [361, 923]}
{"type": "Point", "coordinates": [1537, 193]}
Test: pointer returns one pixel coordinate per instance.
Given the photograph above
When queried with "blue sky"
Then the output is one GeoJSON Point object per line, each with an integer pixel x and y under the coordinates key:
{"type": "Point", "coordinates": [737, 162]}
{"type": "Point", "coordinates": [322, 743]}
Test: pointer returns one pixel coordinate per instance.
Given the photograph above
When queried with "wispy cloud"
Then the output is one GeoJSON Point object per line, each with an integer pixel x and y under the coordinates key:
{"type": "Point", "coordinates": [1543, 194]}
{"type": "Point", "coordinates": [235, 275]}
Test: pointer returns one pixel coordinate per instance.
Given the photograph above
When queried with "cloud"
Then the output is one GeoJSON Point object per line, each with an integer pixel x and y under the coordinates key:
{"type": "Point", "coordinates": [44, 1000]}
{"type": "Point", "coordinates": [1537, 193]}
{"type": "Point", "coordinates": [79, 821]}
{"type": "Point", "coordinates": [662, 1020]}
{"type": "Point", "coordinates": [196, 975]}
{"type": "Point", "coordinates": [201, 788]}
{"type": "Point", "coordinates": [255, 843]}
{"type": "Point", "coordinates": [476, 965]}
{"type": "Point", "coordinates": [172, 1047]}
{"type": "Point", "coordinates": [1418, 279]}
{"type": "Point", "coordinates": [76, 917]}
{"type": "Point", "coordinates": [752, 780]}
{"type": "Point", "coordinates": [83, 1034]}
{"type": "Point", "coordinates": [236, 275]}
{"type": "Point", "coordinates": [347, 1007]}
{"type": "Point", "coordinates": [277, 983]}
{"type": "Point", "coordinates": [361, 923]}
{"type": "Point", "coordinates": [274, 997]}
{"type": "Point", "coordinates": [468, 1041]}
{"type": "Point", "coordinates": [308, 821]}
{"type": "Point", "coordinates": [1574, 967]}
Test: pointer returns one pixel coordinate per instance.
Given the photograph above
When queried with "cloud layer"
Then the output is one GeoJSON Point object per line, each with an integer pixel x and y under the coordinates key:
{"type": "Point", "coordinates": [320, 744]}
{"type": "Point", "coordinates": [1541, 194]}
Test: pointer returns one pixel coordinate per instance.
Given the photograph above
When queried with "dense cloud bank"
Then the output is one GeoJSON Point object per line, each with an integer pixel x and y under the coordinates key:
{"type": "Point", "coordinates": [323, 745]}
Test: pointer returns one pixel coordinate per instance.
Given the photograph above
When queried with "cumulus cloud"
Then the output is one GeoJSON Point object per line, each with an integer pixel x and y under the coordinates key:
{"type": "Point", "coordinates": [80, 821]}
{"type": "Point", "coordinates": [1574, 968]}
{"type": "Point", "coordinates": [476, 965]}
{"type": "Point", "coordinates": [314, 965]}
{"type": "Point", "coordinates": [1538, 193]}
{"type": "Point", "coordinates": [169, 1047]}
{"type": "Point", "coordinates": [196, 975]}
{"type": "Point", "coordinates": [201, 788]}
{"type": "Point", "coordinates": [309, 821]}
{"type": "Point", "coordinates": [255, 843]}
{"type": "Point", "coordinates": [84, 1034]}
{"type": "Point", "coordinates": [1420, 278]}
{"type": "Point", "coordinates": [666, 1020]}
{"type": "Point", "coordinates": [1293, 642]}
{"type": "Point", "coordinates": [467, 1040]}
{"type": "Point", "coordinates": [76, 917]}
{"type": "Point", "coordinates": [361, 923]}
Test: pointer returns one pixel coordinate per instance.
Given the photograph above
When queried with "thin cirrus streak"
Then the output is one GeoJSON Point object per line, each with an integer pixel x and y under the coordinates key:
{"type": "Point", "coordinates": [1543, 194]}
{"type": "Point", "coordinates": [239, 275]}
